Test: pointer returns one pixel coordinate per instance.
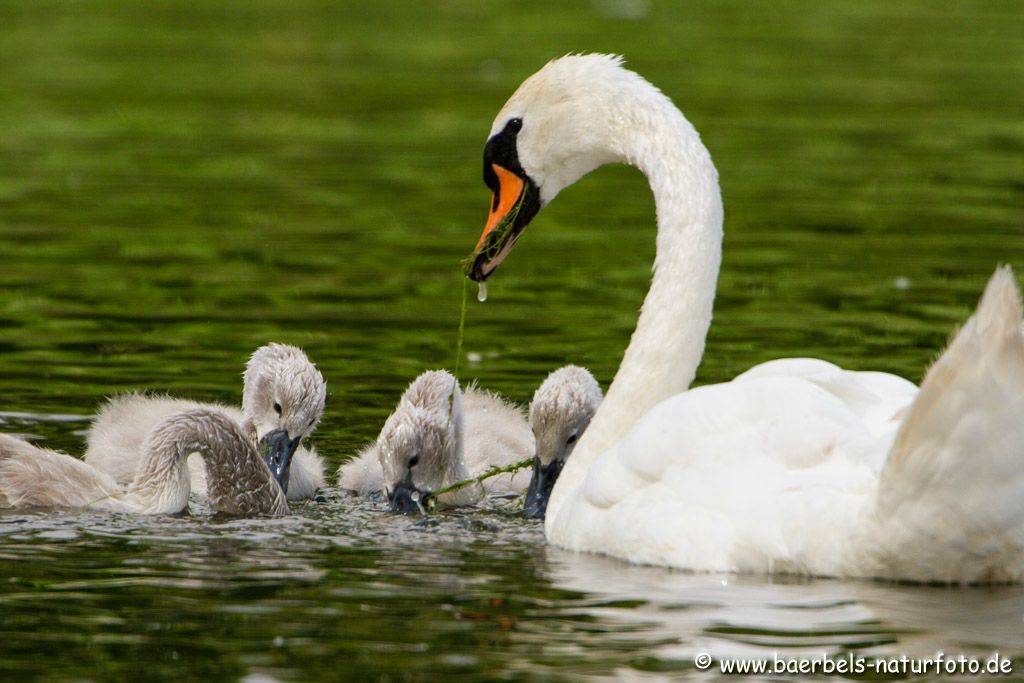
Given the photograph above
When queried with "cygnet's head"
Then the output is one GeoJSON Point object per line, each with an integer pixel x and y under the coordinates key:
{"type": "Point", "coordinates": [561, 409]}
{"type": "Point", "coordinates": [418, 445]}
{"type": "Point", "coordinates": [283, 398]}
{"type": "Point", "coordinates": [562, 122]}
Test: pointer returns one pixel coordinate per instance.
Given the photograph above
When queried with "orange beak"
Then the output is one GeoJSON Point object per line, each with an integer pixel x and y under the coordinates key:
{"type": "Point", "coordinates": [510, 187]}
{"type": "Point", "coordinates": [515, 202]}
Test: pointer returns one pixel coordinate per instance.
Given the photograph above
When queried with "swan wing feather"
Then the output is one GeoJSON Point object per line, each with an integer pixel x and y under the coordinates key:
{"type": "Point", "coordinates": [951, 496]}
{"type": "Point", "coordinates": [746, 475]}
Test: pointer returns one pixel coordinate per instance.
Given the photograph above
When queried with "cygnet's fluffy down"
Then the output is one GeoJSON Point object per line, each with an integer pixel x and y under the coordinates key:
{"type": "Point", "coordinates": [560, 412]}
{"type": "Point", "coordinates": [282, 391]}
{"type": "Point", "coordinates": [493, 434]}
{"type": "Point", "coordinates": [453, 435]}
{"type": "Point", "coordinates": [240, 481]}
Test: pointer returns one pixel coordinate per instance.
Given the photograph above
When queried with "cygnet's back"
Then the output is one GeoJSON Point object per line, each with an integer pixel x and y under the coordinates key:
{"type": "Point", "coordinates": [119, 431]}
{"type": "Point", "coordinates": [240, 481]}
{"type": "Point", "coordinates": [117, 435]}
{"type": "Point", "coordinates": [496, 434]}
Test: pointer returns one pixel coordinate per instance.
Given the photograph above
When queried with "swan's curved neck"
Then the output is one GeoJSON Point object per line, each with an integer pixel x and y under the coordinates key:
{"type": "Point", "coordinates": [161, 483]}
{"type": "Point", "coordinates": [238, 482]}
{"type": "Point", "coordinates": [668, 342]}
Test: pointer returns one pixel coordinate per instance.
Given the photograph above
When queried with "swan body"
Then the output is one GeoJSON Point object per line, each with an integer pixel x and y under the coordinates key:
{"type": "Point", "coordinates": [453, 436]}
{"type": "Point", "coordinates": [239, 481]}
{"type": "Point", "coordinates": [276, 374]}
{"type": "Point", "coordinates": [796, 465]}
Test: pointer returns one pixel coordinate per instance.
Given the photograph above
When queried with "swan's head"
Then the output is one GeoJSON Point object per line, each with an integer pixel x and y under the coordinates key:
{"type": "Point", "coordinates": [419, 440]}
{"type": "Point", "coordinates": [563, 122]}
{"type": "Point", "coordinates": [561, 409]}
{"type": "Point", "coordinates": [283, 398]}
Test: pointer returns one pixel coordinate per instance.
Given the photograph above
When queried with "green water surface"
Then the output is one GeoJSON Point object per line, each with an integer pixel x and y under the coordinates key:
{"type": "Point", "coordinates": [182, 182]}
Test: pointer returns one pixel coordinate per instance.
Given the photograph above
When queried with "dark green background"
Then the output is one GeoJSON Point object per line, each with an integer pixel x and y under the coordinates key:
{"type": "Point", "coordinates": [181, 182]}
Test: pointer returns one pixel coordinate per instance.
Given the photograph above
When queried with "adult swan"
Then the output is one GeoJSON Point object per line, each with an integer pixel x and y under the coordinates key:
{"type": "Point", "coordinates": [796, 465]}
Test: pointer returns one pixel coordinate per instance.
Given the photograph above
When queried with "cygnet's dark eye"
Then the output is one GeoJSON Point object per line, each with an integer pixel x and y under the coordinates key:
{"type": "Point", "coordinates": [514, 125]}
{"type": "Point", "coordinates": [277, 407]}
{"type": "Point", "coordinates": [414, 460]}
{"type": "Point", "coordinates": [573, 438]}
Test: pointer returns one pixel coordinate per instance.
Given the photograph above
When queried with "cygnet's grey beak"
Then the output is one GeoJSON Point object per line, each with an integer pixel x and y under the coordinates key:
{"type": "Point", "coordinates": [405, 498]}
{"type": "Point", "coordinates": [277, 449]}
{"type": "Point", "coordinates": [541, 483]}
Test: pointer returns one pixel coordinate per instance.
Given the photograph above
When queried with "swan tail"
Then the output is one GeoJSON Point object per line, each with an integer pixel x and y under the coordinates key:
{"type": "Point", "coordinates": [950, 506]}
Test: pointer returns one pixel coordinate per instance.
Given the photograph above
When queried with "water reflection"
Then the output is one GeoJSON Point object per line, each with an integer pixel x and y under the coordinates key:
{"type": "Point", "coordinates": [739, 615]}
{"type": "Point", "coordinates": [342, 585]}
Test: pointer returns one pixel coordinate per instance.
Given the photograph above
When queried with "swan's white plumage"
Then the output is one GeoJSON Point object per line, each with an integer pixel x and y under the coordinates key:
{"type": "Point", "coordinates": [578, 113]}
{"type": "Point", "coordinates": [730, 478]}
{"type": "Point", "coordinates": [796, 465]}
{"type": "Point", "coordinates": [119, 430]}
{"type": "Point", "coordinates": [956, 470]}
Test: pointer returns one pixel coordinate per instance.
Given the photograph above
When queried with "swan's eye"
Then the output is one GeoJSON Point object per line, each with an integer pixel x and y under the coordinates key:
{"type": "Point", "coordinates": [414, 460]}
{"type": "Point", "coordinates": [573, 438]}
{"type": "Point", "coordinates": [514, 125]}
{"type": "Point", "coordinates": [277, 407]}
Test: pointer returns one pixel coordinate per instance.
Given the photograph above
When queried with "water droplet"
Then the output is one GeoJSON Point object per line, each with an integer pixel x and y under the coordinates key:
{"type": "Point", "coordinates": [481, 292]}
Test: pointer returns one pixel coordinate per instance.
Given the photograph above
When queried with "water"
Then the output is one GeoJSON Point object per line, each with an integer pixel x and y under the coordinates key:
{"type": "Point", "coordinates": [180, 184]}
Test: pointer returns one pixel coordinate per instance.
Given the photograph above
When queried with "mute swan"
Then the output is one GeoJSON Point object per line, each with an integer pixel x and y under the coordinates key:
{"type": "Point", "coordinates": [560, 411]}
{"type": "Point", "coordinates": [282, 402]}
{"type": "Point", "coordinates": [240, 482]}
{"type": "Point", "coordinates": [797, 466]}
{"type": "Point", "coordinates": [439, 436]}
